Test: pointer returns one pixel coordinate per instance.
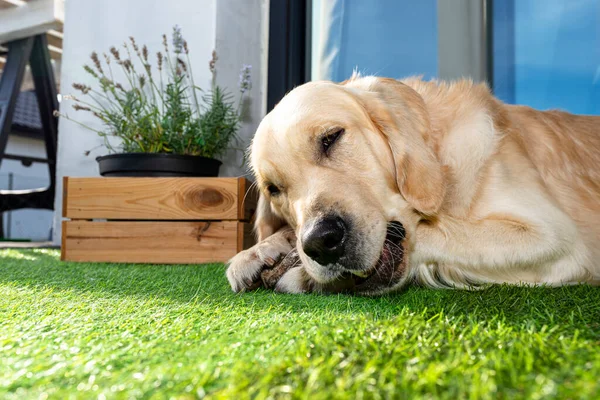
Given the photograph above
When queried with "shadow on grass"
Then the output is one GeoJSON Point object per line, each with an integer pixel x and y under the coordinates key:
{"type": "Point", "coordinates": [574, 307]}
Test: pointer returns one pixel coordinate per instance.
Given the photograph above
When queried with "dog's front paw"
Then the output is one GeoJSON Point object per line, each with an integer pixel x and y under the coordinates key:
{"type": "Point", "coordinates": [244, 270]}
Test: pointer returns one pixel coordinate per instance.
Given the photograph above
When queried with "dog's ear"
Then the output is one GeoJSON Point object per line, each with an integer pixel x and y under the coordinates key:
{"type": "Point", "coordinates": [400, 114]}
{"type": "Point", "coordinates": [266, 222]}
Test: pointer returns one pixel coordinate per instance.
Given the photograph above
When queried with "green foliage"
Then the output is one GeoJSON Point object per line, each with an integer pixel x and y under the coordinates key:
{"type": "Point", "coordinates": [79, 330]}
{"type": "Point", "coordinates": [164, 112]}
{"type": "Point", "coordinates": [221, 118]}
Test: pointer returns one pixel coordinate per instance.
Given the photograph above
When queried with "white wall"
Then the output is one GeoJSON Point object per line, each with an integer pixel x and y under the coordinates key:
{"type": "Point", "coordinates": [242, 38]}
{"type": "Point", "coordinates": [235, 28]}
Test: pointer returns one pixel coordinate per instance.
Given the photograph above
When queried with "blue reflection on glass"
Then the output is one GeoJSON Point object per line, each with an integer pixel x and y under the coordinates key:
{"type": "Point", "coordinates": [547, 53]}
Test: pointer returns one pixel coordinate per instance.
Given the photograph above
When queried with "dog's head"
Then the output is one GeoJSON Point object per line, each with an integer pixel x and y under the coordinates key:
{"type": "Point", "coordinates": [348, 166]}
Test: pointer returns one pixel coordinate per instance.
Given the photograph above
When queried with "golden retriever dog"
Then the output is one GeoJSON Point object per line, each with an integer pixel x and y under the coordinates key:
{"type": "Point", "coordinates": [379, 183]}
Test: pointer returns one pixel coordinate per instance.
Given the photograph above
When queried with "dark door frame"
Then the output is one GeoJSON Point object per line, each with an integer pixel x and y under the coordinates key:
{"type": "Point", "coordinates": [289, 47]}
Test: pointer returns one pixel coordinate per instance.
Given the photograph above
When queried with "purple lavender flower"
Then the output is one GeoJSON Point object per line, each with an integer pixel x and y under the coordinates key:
{"type": "Point", "coordinates": [213, 62]}
{"type": "Point", "coordinates": [245, 78]}
{"type": "Point", "coordinates": [177, 40]}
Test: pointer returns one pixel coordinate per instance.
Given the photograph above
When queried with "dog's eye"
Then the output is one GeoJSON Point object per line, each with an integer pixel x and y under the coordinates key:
{"type": "Point", "coordinates": [273, 190]}
{"type": "Point", "coordinates": [328, 140]}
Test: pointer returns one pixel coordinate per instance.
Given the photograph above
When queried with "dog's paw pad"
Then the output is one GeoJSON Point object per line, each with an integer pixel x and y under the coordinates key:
{"type": "Point", "coordinates": [293, 281]}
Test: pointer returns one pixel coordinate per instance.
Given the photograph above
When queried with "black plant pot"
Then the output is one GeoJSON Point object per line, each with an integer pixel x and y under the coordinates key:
{"type": "Point", "coordinates": [157, 164]}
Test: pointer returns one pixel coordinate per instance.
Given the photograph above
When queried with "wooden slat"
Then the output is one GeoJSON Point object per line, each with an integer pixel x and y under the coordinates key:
{"type": "Point", "coordinates": [55, 52]}
{"type": "Point", "coordinates": [150, 242]}
{"type": "Point", "coordinates": [31, 18]}
{"type": "Point", "coordinates": [247, 205]}
{"type": "Point", "coordinates": [155, 199]}
{"type": "Point", "coordinates": [65, 194]}
{"type": "Point", "coordinates": [11, 3]}
{"type": "Point", "coordinates": [55, 38]}
{"type": "Point", "coordinates": [246, 237]}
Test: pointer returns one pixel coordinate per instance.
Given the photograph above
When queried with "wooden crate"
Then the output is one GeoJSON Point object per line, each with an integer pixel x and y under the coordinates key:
{"type": "Point", "coordinates": [156, 220]}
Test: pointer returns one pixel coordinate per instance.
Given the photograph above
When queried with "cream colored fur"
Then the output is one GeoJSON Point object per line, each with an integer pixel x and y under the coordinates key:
{"type": "Point", "coordinates": [487, 192]}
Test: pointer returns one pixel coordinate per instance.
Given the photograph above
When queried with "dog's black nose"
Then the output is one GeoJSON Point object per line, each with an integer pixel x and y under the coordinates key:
{"type": "Point", "coordinates": [323, 240]}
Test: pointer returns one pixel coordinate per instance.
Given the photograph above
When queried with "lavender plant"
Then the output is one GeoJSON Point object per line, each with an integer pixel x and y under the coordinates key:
{"type": "Point", "coordinates": [160, 110]}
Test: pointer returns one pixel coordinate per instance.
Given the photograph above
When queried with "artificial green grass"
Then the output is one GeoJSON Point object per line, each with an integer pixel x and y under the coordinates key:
{"type": "Point", "coordinates": [124, 331]}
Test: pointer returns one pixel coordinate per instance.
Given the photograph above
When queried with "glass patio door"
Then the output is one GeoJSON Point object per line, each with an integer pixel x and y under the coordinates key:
{"type": "Point", "coordinates": [547, 54]}
{"type": "Point", "coordinates": [393, 38]}
{"type": "Point", "coordinates": [541, 53]}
